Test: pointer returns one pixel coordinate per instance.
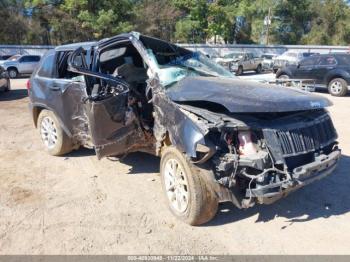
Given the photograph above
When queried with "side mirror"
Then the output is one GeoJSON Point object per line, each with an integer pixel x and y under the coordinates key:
{"type": "Point", "coordinates": [298, 65]}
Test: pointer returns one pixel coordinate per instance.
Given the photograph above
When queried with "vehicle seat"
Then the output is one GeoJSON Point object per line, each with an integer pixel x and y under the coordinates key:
{"type": "Point", "coordinates": [131, 73]}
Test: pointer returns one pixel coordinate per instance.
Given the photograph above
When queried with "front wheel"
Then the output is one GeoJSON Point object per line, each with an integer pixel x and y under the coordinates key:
{"type": "Point", "coordinates": [239, 71]}
{"type": "Point", "coordinates": [13, 73]}
{"type": "Point", "coordinates": [52, 135]}
{"type": "Point", "coordinates": [338, 87]}
{"type": "Point", "coordinates": [284, 77]}
{"type": "Point", "coordinates": [258, 69]}
{"type": "Point", "coordinates": [189, 192]}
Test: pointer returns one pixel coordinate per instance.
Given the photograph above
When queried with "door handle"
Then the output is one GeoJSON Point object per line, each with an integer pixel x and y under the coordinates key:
{"type": "Point", "coordinates": [55, 88]}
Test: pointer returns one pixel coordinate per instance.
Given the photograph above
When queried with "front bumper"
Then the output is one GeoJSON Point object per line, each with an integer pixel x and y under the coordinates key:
{"type": "Point", "coordinates": [301, 176]}
{"type": "Point", "coordinates": [233, 67]}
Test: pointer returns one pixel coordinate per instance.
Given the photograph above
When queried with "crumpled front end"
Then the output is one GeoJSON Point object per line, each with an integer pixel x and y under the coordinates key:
{"type": "Point", "coordinates": [260, 158]}
{"type": "Point", "coordinates": [302, 152]}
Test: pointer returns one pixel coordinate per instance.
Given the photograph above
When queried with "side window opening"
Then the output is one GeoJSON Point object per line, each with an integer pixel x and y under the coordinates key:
{"type": "Point", "coordinates": [62, 67]}
{"type": "Point", "coordinates": [121, 55]}
{"type": "Point", "coordinates": [123, 60]}
{"type": "Point", "coordinates": [327, 61]}
{"type": "Point", "coordinates": [46, 69]}
{"type": "Point", "coordinates": [309, 61]}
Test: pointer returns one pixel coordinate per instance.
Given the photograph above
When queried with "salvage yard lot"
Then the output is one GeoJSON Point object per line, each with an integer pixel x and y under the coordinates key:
{"type": "Point", "coordinates": [80, 205]}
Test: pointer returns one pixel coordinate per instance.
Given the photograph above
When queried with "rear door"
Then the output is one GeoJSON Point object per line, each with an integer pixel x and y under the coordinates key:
{"type": "Point", "coordinates": [33, 63]}
{"type": "Point", "coordinates": [325, 64]}
{"type": "Point", "coordinates": [63, 93]}
{"type": "Point", "coordinates": [113, 126]}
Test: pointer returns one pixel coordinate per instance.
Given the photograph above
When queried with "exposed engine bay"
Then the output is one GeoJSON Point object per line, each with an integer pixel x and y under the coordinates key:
{"type": "Point", "coordinates": [260, 155]}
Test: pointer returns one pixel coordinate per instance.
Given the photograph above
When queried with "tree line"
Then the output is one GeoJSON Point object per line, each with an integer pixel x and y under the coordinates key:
{"type": "Point", "coordinates": [54, 22]}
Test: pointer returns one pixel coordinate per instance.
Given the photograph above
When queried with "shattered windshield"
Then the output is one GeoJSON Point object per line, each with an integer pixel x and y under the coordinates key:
{"type": "Point", "coordinates": [174, 63]}
{"type": "Point", "coordinates": [267, 57]}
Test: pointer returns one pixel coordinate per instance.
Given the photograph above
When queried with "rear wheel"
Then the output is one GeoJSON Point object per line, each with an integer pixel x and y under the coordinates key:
{"type": "Point", "coordinates": [189, 193]}
{"type": "Point", "coordinates": [338, 87]}
{"type": "Point", "coordinates": [53, 136]}
{"type": "Point", "coordinates": [13, 73]}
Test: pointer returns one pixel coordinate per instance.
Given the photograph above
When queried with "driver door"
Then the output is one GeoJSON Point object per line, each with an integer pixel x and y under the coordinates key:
{"type": "Point", "coordinates": [305, 68]}
{"type": "Point", "coordinates": [113, 129]}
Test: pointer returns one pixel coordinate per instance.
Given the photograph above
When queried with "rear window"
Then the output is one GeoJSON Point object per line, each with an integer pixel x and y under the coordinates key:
{"type": "Point", "coordinates": [46, 69]}
{"type": "Point", "coordinates": [328, 60]}
{"type": "Point", "coordinates": [344, 59]}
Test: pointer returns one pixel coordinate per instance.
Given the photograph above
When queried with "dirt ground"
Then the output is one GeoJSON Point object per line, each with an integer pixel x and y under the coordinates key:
{"type": "Point", "coordinates": [80, 205]}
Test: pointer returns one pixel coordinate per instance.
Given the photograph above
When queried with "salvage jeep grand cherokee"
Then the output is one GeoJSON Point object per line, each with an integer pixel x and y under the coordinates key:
{"type": "Point", "coordinates": [219, 138]}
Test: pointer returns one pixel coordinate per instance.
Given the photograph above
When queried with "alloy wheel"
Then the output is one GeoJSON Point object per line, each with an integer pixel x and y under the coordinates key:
{"type": "Point", "coordinates": [48, 132]}
{"type": "Point", "coordinates": [176, 185]}
{"type": "Point", "coordinates": [336, 87]}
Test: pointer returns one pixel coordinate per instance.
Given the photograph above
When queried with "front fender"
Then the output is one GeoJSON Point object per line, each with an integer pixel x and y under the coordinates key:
{"type": "Point", "coordinates": [283, 71]}
{"type": "Point", "coordinates": [183, 132]}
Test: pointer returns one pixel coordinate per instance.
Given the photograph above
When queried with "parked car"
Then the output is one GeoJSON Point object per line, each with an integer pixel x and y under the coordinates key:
{"type": "Point", "coordinates": [220, 138]}
{"type": "Point", "coordinates": [330, 71]}
{"type": "Point", "coordinates": [20, 64]}
{"type": "Point", "coordinates": [239, 62]}
{"type": "Point", "coordinates": [268, 61]}
{"type": "Point", "coordinates": [290, 58]}
{"type": "Point", "coordinates": [4, 57]}
{"type": "Point", "coordinates": [5, 84]}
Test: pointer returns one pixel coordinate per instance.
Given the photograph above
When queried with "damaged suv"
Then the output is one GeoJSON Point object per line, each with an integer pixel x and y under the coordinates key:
{"type": "Point", "coordinates": [219, 138]}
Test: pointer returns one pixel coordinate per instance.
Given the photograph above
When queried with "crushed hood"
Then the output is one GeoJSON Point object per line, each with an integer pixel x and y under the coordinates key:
{"type": "Point", "coordinates": [242, 96]}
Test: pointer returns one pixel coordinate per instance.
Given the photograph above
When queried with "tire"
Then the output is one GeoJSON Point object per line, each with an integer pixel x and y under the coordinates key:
{"type": "Point", "coordinates": [283, 76]}
{"type": "Point", "coordinates": [13, 73]}
{"type": "Point", "coordinates": [338, 87]}
{"type": "Point", "coordinates": [50, 131]}
{"type": "Point", "coordinates": [258, 69]}
{"type": "Point", "coordinates": [200, 203]}
{"type": "Point", "coordinates": [8, 87]}
{"type": "Point", "coordinates": [239, 71]}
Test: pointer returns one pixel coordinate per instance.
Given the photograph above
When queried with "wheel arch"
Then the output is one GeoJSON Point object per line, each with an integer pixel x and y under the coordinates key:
{"type": "Point", "coordinates": [12, 67]}
{"type": "Point", "coordinates": [331, 77]}
{"type": "Point", "coordinates": [282, 72]}
{"type": "Point", "coordinates": [36, 110]}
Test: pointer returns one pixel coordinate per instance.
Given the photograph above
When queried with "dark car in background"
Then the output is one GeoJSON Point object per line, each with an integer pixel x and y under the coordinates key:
{"type": "Point", "coordinates": [220, 138]}
{"type": "Point", "coordinates": [330, 71]}
{"type": "Point", "coordinates": [5, 84]}
{"type": "Point", "coordinates": [290, 58]}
